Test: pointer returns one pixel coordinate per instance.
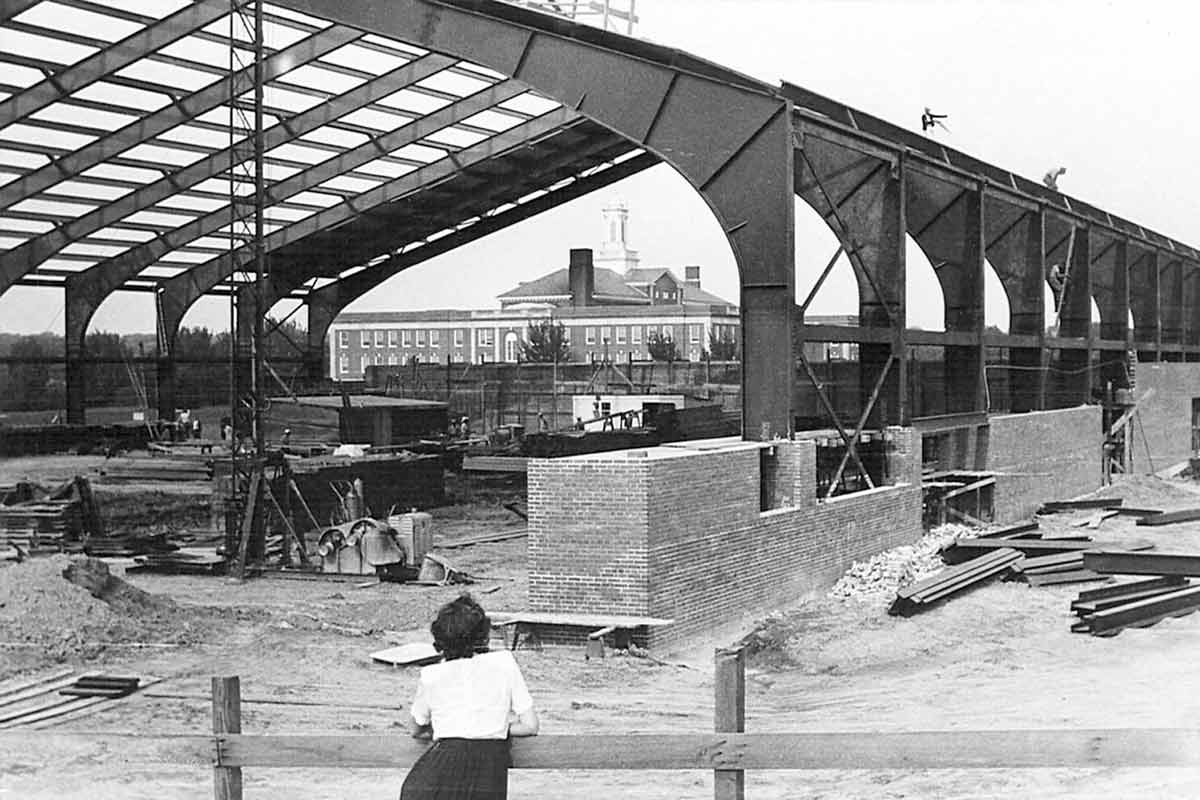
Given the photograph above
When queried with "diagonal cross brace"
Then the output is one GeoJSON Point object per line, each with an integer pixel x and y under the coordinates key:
{"type": "Point", "coordinates": [837, 423]}
{"type": "Point", "coordinates": [852, 445]}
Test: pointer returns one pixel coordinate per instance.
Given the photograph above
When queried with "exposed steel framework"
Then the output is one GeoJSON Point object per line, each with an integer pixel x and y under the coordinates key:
{"type": "Point", "coordinates": [395, 131]}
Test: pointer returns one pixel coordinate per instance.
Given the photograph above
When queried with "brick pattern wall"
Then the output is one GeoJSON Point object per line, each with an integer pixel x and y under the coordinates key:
{"type": "Point", "coordinates": [685, 538]}
{"type": "Point", "coordinates": [1055, 455]}
{"type": "Point", "coordinates": [1166, 417]}
{"type": "Point", "coordinates": [587, 535]}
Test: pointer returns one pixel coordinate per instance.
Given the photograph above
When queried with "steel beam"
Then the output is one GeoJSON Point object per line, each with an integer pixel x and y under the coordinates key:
{"type": "Point", "coordinates": [181, 111]}
{"type": "Point", "coordinates": [108, 275]}
{"type": "Point", "coordinates": [14, 8]}
{"type": "Point", "coordinates": [33, 252]}
{"type": "Point", "coordinates": [110, 59]}
{"type": "Point", "coordinates": [183, 290]}
{"type": "Point", "coordinates": [288, 273]}
{"type": "Point", "coordinates": [326, 302]}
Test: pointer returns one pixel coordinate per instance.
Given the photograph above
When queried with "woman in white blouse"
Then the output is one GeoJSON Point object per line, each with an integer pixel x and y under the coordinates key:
{"type": "Point", "coordinates": [470, 704]}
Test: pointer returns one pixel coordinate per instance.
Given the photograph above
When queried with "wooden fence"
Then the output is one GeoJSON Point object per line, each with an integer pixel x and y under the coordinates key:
{"type": "Point", "coordinates": [728, 752]}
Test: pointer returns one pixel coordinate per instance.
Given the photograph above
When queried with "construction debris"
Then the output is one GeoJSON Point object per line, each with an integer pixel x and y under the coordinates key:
{"type": "Point", "coordinates": [884, 573]}
{"type": "Point", "coordinates": [923, 594]}
{"type": "Point", "coordinates": [60, 695]}
{"type": "Point", "coordinates": [108, 686]}
{"type": "Point", "coordinates": [34, 520]}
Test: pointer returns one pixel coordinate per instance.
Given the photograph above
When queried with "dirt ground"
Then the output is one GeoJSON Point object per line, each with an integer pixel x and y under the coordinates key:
{"type": "Point", "coordinates": [999, 657]}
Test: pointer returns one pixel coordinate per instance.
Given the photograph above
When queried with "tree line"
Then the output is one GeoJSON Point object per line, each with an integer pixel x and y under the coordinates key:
{"type": "Point", "coordinates": [121, 367]}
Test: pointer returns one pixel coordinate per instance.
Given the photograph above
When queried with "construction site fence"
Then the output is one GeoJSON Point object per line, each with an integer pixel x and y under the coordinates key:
{"type": "Point", "coordinates": [728, 752]}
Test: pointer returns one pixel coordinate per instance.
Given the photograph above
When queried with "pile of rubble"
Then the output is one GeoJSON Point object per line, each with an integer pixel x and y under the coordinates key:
{"type": "Point", "coordinates": [885, 573]}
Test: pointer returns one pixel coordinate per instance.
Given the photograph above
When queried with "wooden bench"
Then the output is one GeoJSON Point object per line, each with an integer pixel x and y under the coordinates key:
{"type": "Point", "coordinates": [621, 627]}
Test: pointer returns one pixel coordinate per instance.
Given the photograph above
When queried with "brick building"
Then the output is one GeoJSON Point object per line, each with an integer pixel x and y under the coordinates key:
{"type": "Point", "coordinates": [609, 305]}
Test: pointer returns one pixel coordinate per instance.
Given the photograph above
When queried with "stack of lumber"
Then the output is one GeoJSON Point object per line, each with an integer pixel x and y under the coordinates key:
{"type": "Point", "coordinates": [34, 520]}
{"type": "Point", "coordinates": [179, 564]}
{"type": "Point", "coordinates": [175, 468]}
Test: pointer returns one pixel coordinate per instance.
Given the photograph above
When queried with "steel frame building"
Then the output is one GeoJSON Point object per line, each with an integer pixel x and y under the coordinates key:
{"type": "Point", "coordinates": [399, 130]}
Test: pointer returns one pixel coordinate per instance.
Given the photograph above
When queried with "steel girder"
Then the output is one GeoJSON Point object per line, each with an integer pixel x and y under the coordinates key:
{"type": "Point", "coordinates": [178, 293]}
{"type": "Point", "coordinates": [292, 270]}
{"type": "Point", "coordinates": [181, 111]}
{"type": "Point", "coordinates": [325, 303]}
{"type": "Point", "coordinates": [729, 136]}
{"type": "Point", "coordinates": [112, 58]}
{"type": "Point", "coordinates": [110, 274]}
{"type": "Point", "coordinates": [1017, 252]}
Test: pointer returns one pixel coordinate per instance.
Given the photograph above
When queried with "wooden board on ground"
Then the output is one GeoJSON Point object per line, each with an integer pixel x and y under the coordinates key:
{"type": "Point", "coordinates": [578, 620]}
{"type": "Point", "coordinates": [414, 654]}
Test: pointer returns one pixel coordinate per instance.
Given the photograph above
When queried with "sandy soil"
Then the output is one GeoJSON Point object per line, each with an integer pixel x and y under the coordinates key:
{"type": "Point", "coordinates": [999, 657]}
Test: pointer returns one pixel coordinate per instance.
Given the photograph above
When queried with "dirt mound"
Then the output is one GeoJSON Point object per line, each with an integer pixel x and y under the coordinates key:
{"type": "Point", "coordinates": [63, 621]}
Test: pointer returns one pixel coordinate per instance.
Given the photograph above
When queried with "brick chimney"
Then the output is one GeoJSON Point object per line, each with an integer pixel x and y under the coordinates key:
{"type": "Point", "coordinates": [691, 275]}
{"type": "Point", "coordinates": [582, 277]}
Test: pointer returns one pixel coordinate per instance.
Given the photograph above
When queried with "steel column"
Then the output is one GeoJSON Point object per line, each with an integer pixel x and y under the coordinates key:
{"type": "Point", "coordinates": [1073, 379]}
{"type": "Point", "coordinates": [1144, 302]}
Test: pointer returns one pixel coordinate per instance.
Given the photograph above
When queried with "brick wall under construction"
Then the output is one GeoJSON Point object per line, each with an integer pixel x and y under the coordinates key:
{"type": "Point", "coordinates": [693, 535]}
{"type": "Point", "coordinates": [1162, 432]}
{"type": "Point", "coordinates": [1044, 455]}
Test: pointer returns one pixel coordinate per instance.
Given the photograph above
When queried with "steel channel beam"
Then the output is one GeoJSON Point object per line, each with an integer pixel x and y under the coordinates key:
{"type": "Point", "coordinates": [1140, 612]}
{"type": "Point", "coordinates": [335, 296]}
{"type": "Point", "coordinates": [111, 59]}
{"type": "Point", "coordinates": [31, 253]}
{"type": "Point", "coordinates": [180, 292]}
{"type": "Point", "coordinates": [181, 111]}
{"type": "Point", "coordinates": [1122, 563]}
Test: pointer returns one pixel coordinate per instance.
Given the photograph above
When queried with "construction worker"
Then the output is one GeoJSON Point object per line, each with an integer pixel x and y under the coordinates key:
{"type": "Point", "coordinates": [929, 119]}
{"type": "Point", "coordinates": [1051, 177]}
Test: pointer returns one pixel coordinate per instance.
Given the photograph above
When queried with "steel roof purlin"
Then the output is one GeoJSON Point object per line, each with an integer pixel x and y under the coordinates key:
{"type": "Point", "coordinates": [109, 275]}
{"type": "Point", "coordinates": [111, 59]}
{"type": "Point", "coordinates": [179, 294]}
{"type": "Point", "coordinates": [182, 110]}
{"type": "Point", "coordinates": [36, 250]}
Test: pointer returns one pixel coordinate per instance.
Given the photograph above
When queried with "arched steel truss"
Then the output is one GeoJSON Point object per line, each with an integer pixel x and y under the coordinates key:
{"type": "Point", "coordinates": [365, 185]}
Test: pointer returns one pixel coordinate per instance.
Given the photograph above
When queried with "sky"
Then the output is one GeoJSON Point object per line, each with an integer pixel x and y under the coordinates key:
{"type": "Point", "coordinates": [1107, 89]}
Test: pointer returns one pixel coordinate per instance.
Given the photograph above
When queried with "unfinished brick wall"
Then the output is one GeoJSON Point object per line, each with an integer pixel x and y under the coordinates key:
{"type": "Point", "coordinates": [679, 533]}
{"type": "Point", "coordinates": [1165, 418]}
{"type": "Point", "coordinates": [1049, 455]}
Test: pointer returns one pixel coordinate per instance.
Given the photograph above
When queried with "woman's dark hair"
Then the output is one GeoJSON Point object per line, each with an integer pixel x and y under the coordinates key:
{"type": "Point", "coordinates": [461, 628]}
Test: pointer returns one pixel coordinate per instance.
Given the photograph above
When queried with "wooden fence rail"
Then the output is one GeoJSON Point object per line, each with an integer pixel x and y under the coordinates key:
{"type": "Point", "coordinates": [727, 751]}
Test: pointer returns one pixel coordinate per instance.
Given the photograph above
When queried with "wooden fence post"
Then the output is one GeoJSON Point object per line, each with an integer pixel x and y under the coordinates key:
{"type": "Point", "coordinates": [227, 718]}
{"type": "Point", "coordinates": [729, 716]}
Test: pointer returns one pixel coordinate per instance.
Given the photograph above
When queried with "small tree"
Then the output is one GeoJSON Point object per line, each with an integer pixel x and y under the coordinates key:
{"type": "Point", "coordinates": [546, 342]}
{"type": "Point", "coordinates": [723, 347]}
{"type": "Point", "coordinates": [661, 348]}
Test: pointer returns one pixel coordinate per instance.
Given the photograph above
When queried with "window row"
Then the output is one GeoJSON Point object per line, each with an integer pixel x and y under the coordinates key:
{"type": "Point", "coordinates": [419, 337]}
{"type": "Point", "coordinates": [634, 334]}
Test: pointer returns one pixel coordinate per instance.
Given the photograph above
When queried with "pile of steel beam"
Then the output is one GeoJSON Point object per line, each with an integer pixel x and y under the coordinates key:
{"type": "Point", "coordinates": [923, 594]}
{"type": "Point", "coordinates": [1108, 611]}
{"type": "Point", "coordinates": [1055, 569]}
{"type": "Point", "coordinates": [1055, 506]}
{"type": "Point", "coordinates": [1170, 517]}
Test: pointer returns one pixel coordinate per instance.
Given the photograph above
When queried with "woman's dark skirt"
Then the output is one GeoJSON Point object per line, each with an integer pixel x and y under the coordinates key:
{"type": "Point", "coordinates": [460, 769]}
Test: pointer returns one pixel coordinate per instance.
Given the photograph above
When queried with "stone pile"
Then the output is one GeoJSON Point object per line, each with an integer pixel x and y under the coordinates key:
{"type": "Point", "coordinates": [879, 577]}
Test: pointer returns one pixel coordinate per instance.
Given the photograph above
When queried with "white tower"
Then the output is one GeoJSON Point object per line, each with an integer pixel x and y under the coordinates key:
{"type": "Point", "coordinates": [615, 253]}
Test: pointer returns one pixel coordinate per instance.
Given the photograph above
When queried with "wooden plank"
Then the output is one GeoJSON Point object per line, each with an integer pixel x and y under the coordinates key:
{"type": "Point", "coordinates": [114, 750]}
{"type": "Point", "coordinates": [9, 690]}
{"type": "Point", "coordinates": [857, 750]}
{"type": "Point", "coordinates": [581, 620]}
